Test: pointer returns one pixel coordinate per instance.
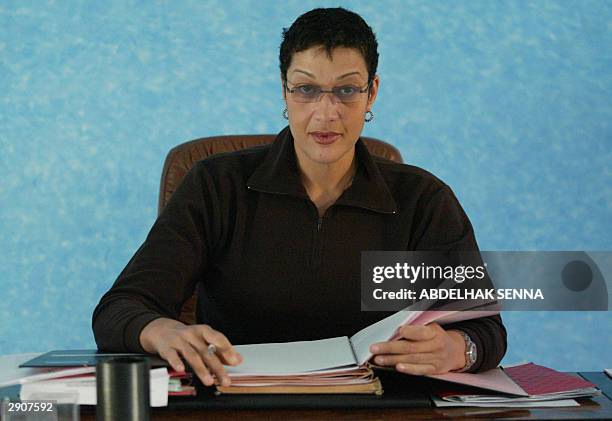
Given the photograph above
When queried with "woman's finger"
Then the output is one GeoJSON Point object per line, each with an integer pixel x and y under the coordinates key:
{"type": "Point", "coordinates": [403, 346]}
{"type": "Point", "coordinates": [419, 333]}
{"type": "Point", "coordinates": [416, 369]}
{"type": "Point", "coordinates": [217, 368]}
{"type": "Point", "coordinates": [173, 359]}
{"type": "Point", "coordinates": [208, 354]}
{"type": "Point", "coordinates": [193, 357]}
{"type": "Point", "coordinates": [213, 365]}
{"type": "Point", "coordinates": [393, 359]}
{"type": "Point", "coordinates": [224, 349]}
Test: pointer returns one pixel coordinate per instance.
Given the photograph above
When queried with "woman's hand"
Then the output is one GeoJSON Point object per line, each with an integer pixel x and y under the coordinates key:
{"type": "Point", "coordinates": [422, 350]}
{"type": "Point", "coordinates": [172, 340]}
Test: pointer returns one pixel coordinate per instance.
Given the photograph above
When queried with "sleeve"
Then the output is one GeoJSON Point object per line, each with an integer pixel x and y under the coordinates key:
{"type": "Point", "coordinates": [162, 274]}
{"type": "Point", "coordinates": [444, 226]}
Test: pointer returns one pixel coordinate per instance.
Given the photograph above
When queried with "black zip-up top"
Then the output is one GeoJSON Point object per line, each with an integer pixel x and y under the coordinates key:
{"type": "Point", "coordinates": [269, 269]}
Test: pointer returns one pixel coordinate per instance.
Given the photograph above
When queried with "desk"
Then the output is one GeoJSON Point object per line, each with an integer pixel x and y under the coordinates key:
{"type": "Point", "coordinates": [597, 408]}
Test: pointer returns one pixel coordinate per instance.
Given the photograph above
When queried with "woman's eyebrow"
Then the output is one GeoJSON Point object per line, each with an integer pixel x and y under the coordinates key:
{"type": "Point", "coordinates": [338, 78]}
{"type": "Point", "coordinates": [349, 74]}
{"type": "Point", "coordinates": [305, 72]}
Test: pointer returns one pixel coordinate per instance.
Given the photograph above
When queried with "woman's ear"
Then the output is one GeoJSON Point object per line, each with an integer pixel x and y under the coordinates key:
{"type": "Point", "coordinates": [373, 91]}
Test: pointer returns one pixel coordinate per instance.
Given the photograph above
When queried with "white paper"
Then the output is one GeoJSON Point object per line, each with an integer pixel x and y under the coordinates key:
{"type": "Point", "coordinates": [380, 331]}
{"type": "Point", "coordinates": [11, 373]}
{"type": "Point", "coordinates": [290, 358]}
{"type": "Point", "coordinates": [85, 388]}
{"type": "Point", "coordinates": [385, 329]}
{"type": "Point", "coordinates": [508, 404]}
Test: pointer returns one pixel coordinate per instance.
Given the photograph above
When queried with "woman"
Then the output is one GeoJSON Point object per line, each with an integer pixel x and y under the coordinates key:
{"type": "Point", "coordinates": [273, 234]}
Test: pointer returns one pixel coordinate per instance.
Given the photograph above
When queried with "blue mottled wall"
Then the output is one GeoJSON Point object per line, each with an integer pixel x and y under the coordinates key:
{"type": "Point", "coordinates": [508, 102]}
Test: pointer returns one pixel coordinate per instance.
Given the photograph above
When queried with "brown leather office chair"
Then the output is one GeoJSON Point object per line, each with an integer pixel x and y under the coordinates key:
{"type": "Point", "coordinates": [181, 158]}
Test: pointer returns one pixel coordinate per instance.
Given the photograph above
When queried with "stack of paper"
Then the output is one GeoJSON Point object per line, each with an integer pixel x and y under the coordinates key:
{"type": "Point", "coordinates": [323, 366]}
{"type": "Point", "coordinates": [84, 388]}
{"type": "Point", "coordinates": [38, 374]}
{"type": "Point", "coordinates": [73, 375]}
{"type": "Point", "coordinates": [518, 386]}
{"type": "Point", "coordinates": [334, 365]}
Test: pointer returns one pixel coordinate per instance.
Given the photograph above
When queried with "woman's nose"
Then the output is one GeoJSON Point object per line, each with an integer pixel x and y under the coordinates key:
{"type": "Point", "coordinates": [327, 106]}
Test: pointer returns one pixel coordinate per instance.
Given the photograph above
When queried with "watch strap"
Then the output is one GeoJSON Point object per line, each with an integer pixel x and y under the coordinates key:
{"type": "Point", "coordinates": [470, 352]}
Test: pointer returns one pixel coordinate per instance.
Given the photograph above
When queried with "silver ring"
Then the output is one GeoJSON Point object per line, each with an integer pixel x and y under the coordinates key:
{"type": "Point", "coordinates": [212, 349]}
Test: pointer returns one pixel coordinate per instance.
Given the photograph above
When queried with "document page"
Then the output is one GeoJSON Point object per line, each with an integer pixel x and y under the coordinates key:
{"type": "Point", "coordinates": [291, 358]}
{"type": "Point", "coordinates": [385, 329]}
{"type": "Point", "coordinates": [380, 331]}
{"type": "Point", "coordinates": [494, 379]}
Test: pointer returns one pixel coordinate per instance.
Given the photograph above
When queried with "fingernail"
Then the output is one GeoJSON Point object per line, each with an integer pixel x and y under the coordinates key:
{"type": "Point", "coordinates": [375, 349]}
{"type": "Point", "coordinates": [225, 381]}
{"type": "Point", "coordinates": [208, 380]}
{"type": "Point", "coordinates": [401, 367]}
{"type": "Point", "coordinates": [380, 360]}
{"type": "Point", "coordinates": [179, 368]}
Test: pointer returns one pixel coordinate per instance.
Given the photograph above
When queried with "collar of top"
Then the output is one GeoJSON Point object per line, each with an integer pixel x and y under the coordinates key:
{"type": "Point", "coordinates": [279, 174]}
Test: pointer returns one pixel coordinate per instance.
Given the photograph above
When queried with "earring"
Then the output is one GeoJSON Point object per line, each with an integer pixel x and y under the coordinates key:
{"type": "Point", "coordinates": [369, 117]}
{"type": "Point", "coordinates": [286, 114]}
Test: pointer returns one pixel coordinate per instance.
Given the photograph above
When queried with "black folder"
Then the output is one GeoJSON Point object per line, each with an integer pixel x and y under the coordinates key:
{"type": "Point", "coordinates": [84, 358]}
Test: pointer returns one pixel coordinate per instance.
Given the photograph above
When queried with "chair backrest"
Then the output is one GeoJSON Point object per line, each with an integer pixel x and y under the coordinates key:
{"type": "Point", "coordinates": [181, 158]}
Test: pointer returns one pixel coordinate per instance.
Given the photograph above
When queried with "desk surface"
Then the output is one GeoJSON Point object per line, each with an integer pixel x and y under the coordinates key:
{"type": "Point", "coordinates": [597, 408]}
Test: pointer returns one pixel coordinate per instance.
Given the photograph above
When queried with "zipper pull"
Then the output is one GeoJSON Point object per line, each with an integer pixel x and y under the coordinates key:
{"type": "Point", "coordinates": [319, 222]}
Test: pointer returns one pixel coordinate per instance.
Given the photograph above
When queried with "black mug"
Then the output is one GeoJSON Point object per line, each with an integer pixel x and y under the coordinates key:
{"type": "Point", "coordinates": [122, 387]}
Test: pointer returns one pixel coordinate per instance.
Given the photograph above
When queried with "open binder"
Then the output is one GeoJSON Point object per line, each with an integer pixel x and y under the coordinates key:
{"type": "Point", "coordinates": [334, 365]}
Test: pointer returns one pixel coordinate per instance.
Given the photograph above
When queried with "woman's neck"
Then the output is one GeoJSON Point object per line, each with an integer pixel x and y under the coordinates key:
{"type": "Point", "coordinates": [328, 178]}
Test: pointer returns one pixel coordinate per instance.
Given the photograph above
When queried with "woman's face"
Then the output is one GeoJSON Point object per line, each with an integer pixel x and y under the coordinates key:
{"type": "Point", "coordinates": [325, 131]}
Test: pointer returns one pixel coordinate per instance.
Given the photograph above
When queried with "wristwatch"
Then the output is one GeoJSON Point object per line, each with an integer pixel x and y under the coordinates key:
{"type": "Point", "coordinates": [471, 352]}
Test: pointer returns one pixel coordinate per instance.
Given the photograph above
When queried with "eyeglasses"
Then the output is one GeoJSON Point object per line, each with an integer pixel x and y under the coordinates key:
{"type": "Point", "coordinates": [313, 93]}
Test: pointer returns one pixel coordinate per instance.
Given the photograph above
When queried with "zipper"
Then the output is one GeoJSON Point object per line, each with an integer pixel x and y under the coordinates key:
{"type": "Point", "coordinates": [316, 241]}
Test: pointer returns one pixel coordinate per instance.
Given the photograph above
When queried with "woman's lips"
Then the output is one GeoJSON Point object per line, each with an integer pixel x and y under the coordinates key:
{"type": "Point", "coordinates": [325, 138]}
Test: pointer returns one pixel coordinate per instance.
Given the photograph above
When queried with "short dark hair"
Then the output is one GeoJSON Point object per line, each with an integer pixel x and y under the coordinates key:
{"type": "Point", "coordinates": [329, 28]}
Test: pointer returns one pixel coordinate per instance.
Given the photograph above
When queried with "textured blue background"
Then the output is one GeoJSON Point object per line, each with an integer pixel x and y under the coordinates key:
{"type": "Point", "coordinates": [508, 102]}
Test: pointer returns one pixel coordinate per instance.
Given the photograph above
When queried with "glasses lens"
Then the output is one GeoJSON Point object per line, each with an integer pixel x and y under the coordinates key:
{"type": "Point", "coordinates": [347, 93]}
{"type": "Point", "coordinates": [306, 93]}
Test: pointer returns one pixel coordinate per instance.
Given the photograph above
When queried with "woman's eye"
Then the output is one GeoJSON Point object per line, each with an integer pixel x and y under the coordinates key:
{"type": "Point", "coordinates": [347, 90]}
{"type": "Point", "coordinates": [306, 89]}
